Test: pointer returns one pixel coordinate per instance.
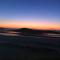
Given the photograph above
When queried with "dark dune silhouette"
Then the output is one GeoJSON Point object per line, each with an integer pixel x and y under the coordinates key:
{"type": "Point", "coordinates": [27, 31]}
{"type": "Point", "coordinates": [31, 32]}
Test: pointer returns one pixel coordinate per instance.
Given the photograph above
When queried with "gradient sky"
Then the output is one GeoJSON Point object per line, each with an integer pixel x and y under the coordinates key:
{"type": "Point", "coordinates": [37, 14]}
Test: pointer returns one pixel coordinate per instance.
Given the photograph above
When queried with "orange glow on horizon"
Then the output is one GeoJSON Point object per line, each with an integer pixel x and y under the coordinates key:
{"type": "Point", "coordinates": [29, 24]}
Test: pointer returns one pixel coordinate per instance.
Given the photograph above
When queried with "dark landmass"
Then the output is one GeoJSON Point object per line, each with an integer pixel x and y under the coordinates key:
{"type": "Point", "coordinates": [30, 31]}
{"type": "Point", "coordinates": [37, 31]}
{"type": "Point", "coordinates": [29, 45]}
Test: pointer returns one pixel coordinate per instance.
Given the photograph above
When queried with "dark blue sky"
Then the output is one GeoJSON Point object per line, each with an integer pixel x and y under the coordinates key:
{"type": "Point", "coordinates": [30, 10]}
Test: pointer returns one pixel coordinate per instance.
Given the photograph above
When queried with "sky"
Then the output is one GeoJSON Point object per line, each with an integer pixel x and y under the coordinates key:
{"type": "Point", "coordinates": [36, 14]}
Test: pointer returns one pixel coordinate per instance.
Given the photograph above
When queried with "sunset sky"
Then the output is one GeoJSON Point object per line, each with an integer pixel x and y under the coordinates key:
{"type": "Point", "coordinates": [36, 14]}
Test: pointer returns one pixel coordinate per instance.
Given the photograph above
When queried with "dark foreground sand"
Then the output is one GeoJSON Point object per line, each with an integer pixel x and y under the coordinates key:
{"type": "Point", "coordinates": [29, 48]}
